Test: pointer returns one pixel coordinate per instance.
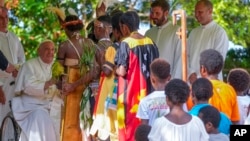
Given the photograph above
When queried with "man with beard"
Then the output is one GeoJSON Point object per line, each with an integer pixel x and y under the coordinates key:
{"type": "Point", "coordinates": [165, 37]}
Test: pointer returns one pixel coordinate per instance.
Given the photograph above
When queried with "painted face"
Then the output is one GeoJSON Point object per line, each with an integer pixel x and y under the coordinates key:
{"type": "Point", "coordinates": [98, 26]}
{"type": "Point", "coordinates": [46, 52]}
{"type": "Point", "coordinates": [203, 14]}
{"type": "Point", "coordinates": [4, 20]}
{"type": "Point", "coordinates": [158, 15]}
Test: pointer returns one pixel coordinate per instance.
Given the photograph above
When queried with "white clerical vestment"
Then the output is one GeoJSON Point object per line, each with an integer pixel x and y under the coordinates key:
{"type": "Point", "coordinates": [13, 51]}
{"type": "Point", "coordinates": [210, 36]}
{"type": "Point", "coordinates": [31, 108]}
{"type": "Point", "coordinates": [169, 46]}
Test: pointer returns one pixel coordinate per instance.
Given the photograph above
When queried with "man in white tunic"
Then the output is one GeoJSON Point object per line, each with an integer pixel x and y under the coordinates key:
{"type": "Point", "coordinates": [13, 51]}
{"type": "Point", "coordinates": [165, 37]}
{"type": "Point", "coordinates": [207, 36]}
{"type": "Point", "coordinates": [31, 107]}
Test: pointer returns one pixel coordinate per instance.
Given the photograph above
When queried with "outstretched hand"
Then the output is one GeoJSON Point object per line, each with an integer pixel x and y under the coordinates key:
{"type": "Point", "coordinates": [67, 88]}
{"type": "Point", "coordinates": [10, 68]}
{"type": "Point", "coordinates": [49, 83]}
{"type": "Point", "coordinates": [14, 73]}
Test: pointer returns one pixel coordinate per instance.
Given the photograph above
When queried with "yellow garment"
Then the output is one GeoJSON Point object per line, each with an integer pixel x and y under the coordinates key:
{"type": "Point", "coordinates": [71, 124]}
{"type": "Point", "coordinates": [225, 99]}
{"type": "Point", "coordinates": [105, 121]}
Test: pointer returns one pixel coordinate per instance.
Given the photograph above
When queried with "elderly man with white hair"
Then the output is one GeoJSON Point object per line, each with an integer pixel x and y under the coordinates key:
{"type": "Point", "coordinates": [32, 105]}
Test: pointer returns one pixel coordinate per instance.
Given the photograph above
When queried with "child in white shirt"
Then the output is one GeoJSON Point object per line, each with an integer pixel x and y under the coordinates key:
{"type": "Point", "coordinates": [239, 79]}
{"type": "Point", "coordinates": [154, 105]}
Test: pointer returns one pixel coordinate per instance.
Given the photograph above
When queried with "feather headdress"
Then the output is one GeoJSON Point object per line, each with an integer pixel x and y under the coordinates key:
{"type": "Point", "coordinates": [60, 12]}
{"type": "Point", "coordinates": [107, 3]}
{"type": "Point", "coordinates": [72, 11]}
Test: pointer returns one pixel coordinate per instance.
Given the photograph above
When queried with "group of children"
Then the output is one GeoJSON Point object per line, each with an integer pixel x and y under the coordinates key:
{"type": "Point", "coordinates": [217, 104]}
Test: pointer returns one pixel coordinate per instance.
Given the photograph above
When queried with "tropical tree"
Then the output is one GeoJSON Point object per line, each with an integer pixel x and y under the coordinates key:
{"type": "Point", "coordinates": [232, 15]}
{"type": "Point", "coordinates": [32, 22]}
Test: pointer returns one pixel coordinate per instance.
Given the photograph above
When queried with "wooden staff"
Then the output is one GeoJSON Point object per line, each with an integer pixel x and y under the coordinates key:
{"type": "Point", "coordinates": [182, 34]}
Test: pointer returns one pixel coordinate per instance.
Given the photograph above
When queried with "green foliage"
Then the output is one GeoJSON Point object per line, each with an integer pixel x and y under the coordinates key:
{"type": "Point", "coordinates": [87, 58]}
{"type": "Point", "coordinates": [237, 58]}
{"type": "Point", "coordinates": [57, 70]}
{"type": "Point", "coordinates": [232, 15]}
{"type": "Point", "coordinates": [33, 23]}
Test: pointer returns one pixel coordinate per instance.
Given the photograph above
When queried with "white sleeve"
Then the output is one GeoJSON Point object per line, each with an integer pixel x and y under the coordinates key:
{"type": "Point", "coordinates": [21, 56]}
{"type": "Point", "coordinates": [203, 133]}
{"type": "Point", "coordinates": [221, 42]}
{"type": "Point", "coordinates": [155, 132]}
{"type": "Point", "coordinates": [29, 82]}
{"type": "Point", "coordinates": [142, 112]}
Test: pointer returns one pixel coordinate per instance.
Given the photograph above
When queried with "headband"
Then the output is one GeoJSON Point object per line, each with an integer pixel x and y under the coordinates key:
{"type": "Point", "coordinates": [75, 22]}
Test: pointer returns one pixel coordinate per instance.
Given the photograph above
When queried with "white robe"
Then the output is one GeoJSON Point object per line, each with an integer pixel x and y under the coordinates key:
{"type": "Point", "coordinates": [31, 108]}
{"type": "Point", "coordinates": [13, 51]}
{"type": "Point", "coordinates": [165, 130]}
{"type": "Point", "coordinates": [210, 36]}
{"type": "Point", "coordinates": [169, 46]}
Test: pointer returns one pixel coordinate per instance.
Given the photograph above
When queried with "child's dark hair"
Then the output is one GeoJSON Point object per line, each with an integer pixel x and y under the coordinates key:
{"type": "Point", "coordinates": [177, 91]}
{"type": "Point", "coordinates": [212, 60]}
{"type": "Point", "coordinates": [141, 132]}
{"type": "Point", "coordinates": [210, 114]}
{"type": "Point", "coordinates": [239, 79]}
{"type": "Point", "coordinates": [161, 69]}
{"type": "Point", "coordinates": [202, 89]}
{"type": "Point", "coordinates": [74, 26]}
{"type": "Point", "coordinates": [115, 20]}
{"type": "Point", "coordinates": [105, 19]}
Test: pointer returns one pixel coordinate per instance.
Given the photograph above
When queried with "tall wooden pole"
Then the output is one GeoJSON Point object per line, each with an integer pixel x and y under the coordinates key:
{"type": "Point", "coordinates": [183, 35]}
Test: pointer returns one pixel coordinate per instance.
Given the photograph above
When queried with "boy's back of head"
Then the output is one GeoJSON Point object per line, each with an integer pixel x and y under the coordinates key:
{"type": "Point", "coordinates": [202, 89]}
{"type": "Point", "coordinates": [141, 132]}
{"type": "Point", "coordinates": [210, 117]}
{"type": "Point", "coordinates": [131, 19]}
{"type": "Point", "coordinates": [160, 69]}
{"type": "Point", "coordinates": [239, 79]}
{"type": "Point", "coordinates": [212, 61]}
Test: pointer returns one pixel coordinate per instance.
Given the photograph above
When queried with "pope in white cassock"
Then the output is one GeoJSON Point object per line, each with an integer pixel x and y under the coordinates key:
{"type": "Point", "coordinates": [31, 108]}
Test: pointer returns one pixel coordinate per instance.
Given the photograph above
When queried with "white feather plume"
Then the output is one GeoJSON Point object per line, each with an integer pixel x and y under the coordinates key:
{"type": "Point", "coordinates": [58, 11]}
{"type": "Point", "coordinates": [72, 11]}
{"type": "Point", "coordinates": [107, 3]}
